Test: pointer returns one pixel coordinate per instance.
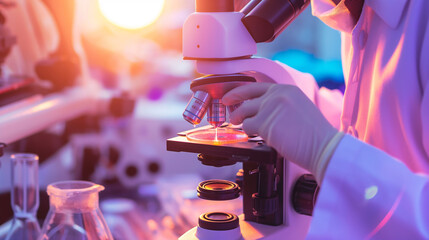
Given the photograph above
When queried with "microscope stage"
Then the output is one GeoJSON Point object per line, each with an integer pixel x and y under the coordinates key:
{"type": "Point", "coordinates": [240, 151]}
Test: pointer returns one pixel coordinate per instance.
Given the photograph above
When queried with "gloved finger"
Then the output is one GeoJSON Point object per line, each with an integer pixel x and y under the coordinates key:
{"type": "Point", "coordinates": [251, 126]}
{"type": "Point", "coordinates": [248, 109]}
{"type": "Point", "coordinates": [246, 92]}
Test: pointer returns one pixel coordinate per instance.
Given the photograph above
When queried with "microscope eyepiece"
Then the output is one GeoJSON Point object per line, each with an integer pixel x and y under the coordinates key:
{"type": "Point", "coordinates": [265, 20]}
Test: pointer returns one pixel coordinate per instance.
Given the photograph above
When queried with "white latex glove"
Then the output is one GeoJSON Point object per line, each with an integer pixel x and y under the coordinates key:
{"type": "Point", "coordinates": [287, 120]}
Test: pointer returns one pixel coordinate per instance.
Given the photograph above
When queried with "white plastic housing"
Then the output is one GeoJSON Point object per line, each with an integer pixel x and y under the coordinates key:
{"type": "Point", "coordinates": [295, 226]}
{"type": "Point", "coordinates": [233, 234]}
{"type": "Point", "coordinates": [216, 35]}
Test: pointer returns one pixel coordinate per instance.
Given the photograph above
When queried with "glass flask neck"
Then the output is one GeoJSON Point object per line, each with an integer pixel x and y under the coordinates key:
{"type": "Point", "coordinates": [25, 184]}
{"type": "Point", "coordinates": [74, 196]}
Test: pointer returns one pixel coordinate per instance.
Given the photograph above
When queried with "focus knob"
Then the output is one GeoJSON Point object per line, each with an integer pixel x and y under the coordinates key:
{"type": "Point", "coordinates": [305, 194]}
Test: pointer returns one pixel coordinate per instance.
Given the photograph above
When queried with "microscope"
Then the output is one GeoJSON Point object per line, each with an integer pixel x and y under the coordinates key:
{"type": "Point", "coordinates": [278, 196]}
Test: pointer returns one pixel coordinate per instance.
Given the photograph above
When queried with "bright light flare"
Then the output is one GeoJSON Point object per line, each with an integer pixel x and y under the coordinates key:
{"type": "Point", "coordinates": [131, 14]}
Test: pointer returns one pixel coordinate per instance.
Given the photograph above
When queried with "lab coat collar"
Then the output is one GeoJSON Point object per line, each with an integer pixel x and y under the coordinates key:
{"type": "Point", "coordinates": [388, 10]}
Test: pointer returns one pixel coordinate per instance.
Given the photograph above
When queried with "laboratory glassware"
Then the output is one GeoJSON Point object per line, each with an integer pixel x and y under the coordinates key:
{"type": "Point", "coordinates": [24, 196]}
{"type": "Point", "coordinates": [74, 212]}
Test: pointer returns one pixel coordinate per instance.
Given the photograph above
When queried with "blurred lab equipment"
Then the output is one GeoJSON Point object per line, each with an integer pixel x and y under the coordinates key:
{"type": "Point", "coordinates": [24, 196]}
{"type": "Point", "coordinates": [124, 219]}
{"type": "Point", "coordinates": [74, 212]}
{"type": "Point", "coordinates": [62, 66]}
{"type": "Point", "coordinates": [277, 195]}
{"type": "Point", "coordinates": [2, 146]}
{"type": "Point", "coordinates": [27, 109]}
{"type": "Point", "coordinates": [8, 81]}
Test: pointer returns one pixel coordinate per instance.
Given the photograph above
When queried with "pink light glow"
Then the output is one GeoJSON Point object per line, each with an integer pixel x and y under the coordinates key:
{"type": "Point", "coordinates": [217, 136]}
{"type": "Point", "coordinates": [386, 218]}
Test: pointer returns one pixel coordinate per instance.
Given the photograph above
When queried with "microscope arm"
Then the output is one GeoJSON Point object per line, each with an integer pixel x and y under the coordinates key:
{"type": "Point", "coordinates": [263, 70]}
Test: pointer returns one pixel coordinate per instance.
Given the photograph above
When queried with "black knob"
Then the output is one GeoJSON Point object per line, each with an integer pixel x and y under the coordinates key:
{"type": "Point", "coordinates": [214, 5]}
{"type": "Point", "coordinates": [305, 194]}
{"type": "Point", "coordinates": [239, 177]}
{"type": "Point", "coordinates": [264, 206]}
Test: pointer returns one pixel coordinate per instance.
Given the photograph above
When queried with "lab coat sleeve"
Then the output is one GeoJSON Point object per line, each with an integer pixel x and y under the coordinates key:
{"type": "Point", "coordinates": [367, 194]}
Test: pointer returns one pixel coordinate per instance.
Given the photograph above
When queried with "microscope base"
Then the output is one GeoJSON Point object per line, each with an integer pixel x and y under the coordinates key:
{"type": "Point", "coordinates": [253, 231]}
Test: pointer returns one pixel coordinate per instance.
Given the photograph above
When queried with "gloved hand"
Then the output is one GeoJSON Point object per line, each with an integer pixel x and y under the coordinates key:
{"type": "Point", "coordinates": [287, 120]}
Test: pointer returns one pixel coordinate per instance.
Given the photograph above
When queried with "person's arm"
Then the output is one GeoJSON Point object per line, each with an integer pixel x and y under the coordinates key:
{"type": "Point", "coordinates": [287, 120]}
{"type": "Point", "coordinates": [364, 192]}
{"type": "Point", "coordinates": [367, 194]}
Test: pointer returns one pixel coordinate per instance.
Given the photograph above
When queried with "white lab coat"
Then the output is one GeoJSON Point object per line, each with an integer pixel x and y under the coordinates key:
{"type": "Point", "coordinates": [366, 192]}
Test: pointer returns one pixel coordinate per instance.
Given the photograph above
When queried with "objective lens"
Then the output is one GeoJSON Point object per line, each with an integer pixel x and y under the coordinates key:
{"type": "Point", "coordinates": [197, 107]}
{"type": "Point", "coordinates": [216, 114]}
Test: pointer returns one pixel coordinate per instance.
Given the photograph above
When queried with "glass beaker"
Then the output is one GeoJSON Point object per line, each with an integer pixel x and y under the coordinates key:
{"type": "Point", "coordinates": [74, 212]}
{"type": "Point", "coordinates": [24, 196]}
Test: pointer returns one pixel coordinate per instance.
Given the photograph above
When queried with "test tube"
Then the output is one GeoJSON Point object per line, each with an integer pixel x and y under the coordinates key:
{"type": "Point", "coordinates": [24, 196]}
{"type": "Point", "coordinates": [25, 183]}
{"type": "Point", "coordinates": [216, 114]}
{"type": "Point", "coordinates": [197, 107]}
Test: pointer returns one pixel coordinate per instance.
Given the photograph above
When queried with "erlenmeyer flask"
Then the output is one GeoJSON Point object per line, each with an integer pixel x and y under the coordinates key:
{"type": "Point", "coordinates": [74, 212]}
{"type": "Point", "coordinates": [24, 197]}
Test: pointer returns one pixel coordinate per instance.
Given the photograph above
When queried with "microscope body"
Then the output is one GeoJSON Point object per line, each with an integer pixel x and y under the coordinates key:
{"type": "Point", "coordinates": [215, 36]}
{"type": "Point", "coordinates": [278, 197]}
{"type": "Point", "coordinates": [223, 43]}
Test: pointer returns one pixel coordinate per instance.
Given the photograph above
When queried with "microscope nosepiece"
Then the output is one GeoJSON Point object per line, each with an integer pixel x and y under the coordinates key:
{"type": "Point", "coordinates": [216, 114]}
{"type": "Point", "coordinates": [197, 107]}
